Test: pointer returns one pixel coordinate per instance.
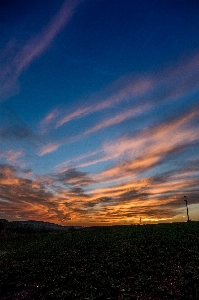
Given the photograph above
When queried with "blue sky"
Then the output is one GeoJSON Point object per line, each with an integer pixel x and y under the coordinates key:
{"type": "Point", "coordinates": [99, 111]}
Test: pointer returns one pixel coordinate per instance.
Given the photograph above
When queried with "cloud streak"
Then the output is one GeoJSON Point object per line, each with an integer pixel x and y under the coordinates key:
{"type": "Point", "coordinates": [33, 48]}
{"type": "Point", "coordinates": [136, 95]}
{"type": "Point", "coordinates": [152, 146]}
{"type": "Point", "coordinates": [119, 91]}
{"type": "Point", "coordinates": [118, 118]}
{"type": "Point", "coordinates": [173, 82]}
{"type": "Point", "coordinates": [48, 148]}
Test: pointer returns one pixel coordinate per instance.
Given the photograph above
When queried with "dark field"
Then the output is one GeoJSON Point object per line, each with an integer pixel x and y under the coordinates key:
{"type": "Point", "coordinates": [120, 262]}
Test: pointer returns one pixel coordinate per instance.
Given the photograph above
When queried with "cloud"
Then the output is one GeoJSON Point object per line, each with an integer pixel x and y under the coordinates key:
{"type": "Point", "coordinates": [48, 119]}
{"type": "Point", "coordinates": [170, 84]}
{"type": "Point", "coordinates": [118, 118]}
{"type": "Point", "coordinates": [11, 155]}
{"type": "Point", "coordinates": [42, 197]}
{"type": "Point", "coordinates": [18, 142]}
{"type": "Point", "coordinates": [48, 148]}
{"type": "Point", "coordinates": [120, 91]}
{"type": "Point", "coordinates": [74, 177]}
{"type": "Point", "coordinates": [151, 147]}
{"type": "Point", "coordinates": [11, 126]}
{"type": "Point", "coordinates": [135, 184]}
{"type": "Point", "coordinates": [145, 148]}
{"type": "Point", "coordinates": [71, 161]}
{"type": "Point", "coordinates": [26, 198]}
{"type": "Point", "coordinates": [11, 71]}
{"type": "Point", "coordinates": [16, 132]}
{"type": "Point", "coordinates": [62, 197]}
{"type": "Point", "coordinates": [151, 199]}
{"type": "Point", "coordinates": [140, 95]}
{"type": "Point", "coordinates": [7, 171]}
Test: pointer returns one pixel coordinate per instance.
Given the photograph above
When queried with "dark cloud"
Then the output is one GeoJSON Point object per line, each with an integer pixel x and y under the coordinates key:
{"type": "Point", "coordinates": [101, 200]}
{"type": "Point", "coordinates": [126, 196]}
{"type": "Point", "coordinates": [27, 171]}
{"type": "Point", "coordinates": [11, 126]}
{"type": "Point", "coordinates": [105, 199]}
{"type": "Point", "coordinates": [74, 178]}
{"type": "Point", "coordinates": [16, 132]}
{"type": "Point", "coordinates": [132, 195]}
{"type": "Point", "coordinates": [79, 191]}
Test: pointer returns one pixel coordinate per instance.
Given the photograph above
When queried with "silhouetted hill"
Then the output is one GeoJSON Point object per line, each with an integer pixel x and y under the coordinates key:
{"type": "Point", "coordinates": [33, 226]}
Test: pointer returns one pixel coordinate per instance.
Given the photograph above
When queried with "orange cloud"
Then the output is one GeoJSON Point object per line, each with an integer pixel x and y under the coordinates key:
{"type": "Point", "coordinates": [149, 147]}
{"type": "Point", "coordinates": [128, 192]}
{"type": "Point", "coordinates": [153, 200]}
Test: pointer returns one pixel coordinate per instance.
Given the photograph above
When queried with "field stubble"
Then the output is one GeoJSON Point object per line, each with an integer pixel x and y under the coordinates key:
{"type": "Point", "coordinates": [119, 262]}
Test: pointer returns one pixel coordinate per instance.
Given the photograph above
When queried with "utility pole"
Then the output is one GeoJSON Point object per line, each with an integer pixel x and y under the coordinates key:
{"type": "Point", "coordinates": [185, 199]}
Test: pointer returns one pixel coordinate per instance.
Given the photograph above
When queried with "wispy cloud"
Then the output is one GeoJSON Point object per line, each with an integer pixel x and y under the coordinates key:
{"type": "Point", "coordinates": [48, 148]}
{"type": "Point", "coordinates": [12, 69]}
{"type": "Point", "coordinates": [146, 147]}
{"type": "Point", "coordinates": [48, 120]}
{"type": "Point", "coordinates": [168, 85]}
{"type": "Point", "coordinates": [116, 119]}
{"type": "Point", "coordinates": [121, 90]}
{"type": "Point", "coordinates": [152, 146]}
{"type": "Point", "coordinates": [60, 167]}
{"type": "Point", "coordinates": [135, 96]}
{"type": "Point", "coordinates": [130, 113]}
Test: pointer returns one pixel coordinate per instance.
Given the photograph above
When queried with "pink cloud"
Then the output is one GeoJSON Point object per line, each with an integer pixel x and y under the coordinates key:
{"type": "Point", "coordinates": [130, 88]}
{"type": "Point", "coordinates": [11, 155]}
{"type": "Point", "coordinates": [75, 115]}
{"type": "Point", "coordinates": [71, 161]}
{"type": "Point", "coordinates": [118, 118]}
{"type": "Point", "coordinates": [37, 45]}
{"type": "Point", "coordinates": [120, 91]}
{"type": "Point", "coordinates": [129, 113]}
{"type": "Point", "coordinates": [45, 123]}
{"type": "Point", "coordinates": [50, 147]}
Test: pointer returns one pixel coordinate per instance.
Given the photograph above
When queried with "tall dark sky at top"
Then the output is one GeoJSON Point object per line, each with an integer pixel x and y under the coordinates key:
{"type": "Point", "coordinates": [99, 110]}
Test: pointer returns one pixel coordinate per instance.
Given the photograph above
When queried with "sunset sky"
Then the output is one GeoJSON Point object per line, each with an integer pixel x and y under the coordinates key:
{"type": "Point", "coordinates": [99, 111]}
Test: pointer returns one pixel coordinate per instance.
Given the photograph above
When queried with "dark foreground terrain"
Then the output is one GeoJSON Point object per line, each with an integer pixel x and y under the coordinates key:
{"type": "Point", "coordinates": [120, 262]}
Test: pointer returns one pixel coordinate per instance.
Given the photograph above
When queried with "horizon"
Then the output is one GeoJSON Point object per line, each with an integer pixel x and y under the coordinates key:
{"type": "Point", "coordinates": [101, 225]}
{"type": "Point", "coordinates": [99, 111]}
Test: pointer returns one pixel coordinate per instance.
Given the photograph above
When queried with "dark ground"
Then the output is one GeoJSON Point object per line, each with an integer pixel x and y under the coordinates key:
{"type": "Point", "coordinates": [121, 262]}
